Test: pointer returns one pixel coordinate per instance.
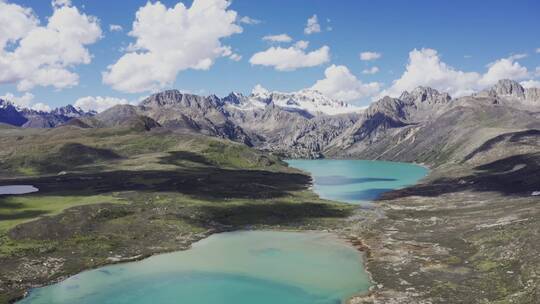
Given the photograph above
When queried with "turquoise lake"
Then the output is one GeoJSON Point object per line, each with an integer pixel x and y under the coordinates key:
{"type": "Point", "coordinates": [263, 267]}
{"type": "Point", "coordinates": [358, 181]}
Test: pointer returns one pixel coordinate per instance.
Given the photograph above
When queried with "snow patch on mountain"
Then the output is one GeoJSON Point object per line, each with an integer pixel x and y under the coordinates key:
{"type": "Point", "coordinates": [311, 101]}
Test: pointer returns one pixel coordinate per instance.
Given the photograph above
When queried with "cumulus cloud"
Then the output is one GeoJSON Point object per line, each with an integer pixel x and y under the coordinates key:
{"type": "Point", "coordinates": [44, 55]}
{"type": "Point", "coordinates": [278, 38]}
{"type": "Point", "coordinates": [292, 58]}
{"type": "Point", "coordinates": [26, 101]}
{"type": "Point", "coordinates": [341, 84]}
{"type": "Point", "coordinates": [248, 20]}
{"type": "Point", "coordinates": [98, 103]}
{"type": "Point", "coordinates": [368, 56]}
{"type": "Point", "coordinates": [302, 44]}
{"type": "Point", "coordinates": [425, 68]}
{"type": "Point", "coordinates": [312, 25]}
{"type": "Point", "coordinates": [41, 107]}
{"type": "Point", "coordinates": [502, 69]}
{"type": "Point", "coordinates": [530, 84]}
{"type": "Point", "coordinates": [171, 40]}
{"type": "Point", "coordinates": [23, 101]}
{"type": "Point", "coordinates": [371, 71]}
{"type": "Point", "coordinates": [115, 28]}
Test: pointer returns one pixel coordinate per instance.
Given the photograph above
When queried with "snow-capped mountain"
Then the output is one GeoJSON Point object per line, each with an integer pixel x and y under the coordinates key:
{"type": "Point", "coordinates": [310, 101]}
{"type": "Point", "coordinates": [71, 111]}
{"type": "Point", "coordinates": [24, 117]}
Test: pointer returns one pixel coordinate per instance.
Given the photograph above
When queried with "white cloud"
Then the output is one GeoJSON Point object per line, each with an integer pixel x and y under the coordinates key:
{"type": "Point", "coordinates": [60, 3]}
{"type": "Point", "coordinates": [15, 23]}
{"type": "Point", "coordinates": [537, 71]}
{"type": "Point", "coordinates": [505, 68]}
{"type": "Point", "coordinates": [34, 55]}
{"type": "Point", "coordinates": [115, 28]}
{"type": "Point", "coordinates": [23, 101]}
{"type": "Point", "coordinates": [368, 56]}
{"type": "Point", "coordinates": [312, 25]}
{"type": "Point", "coordinates": [278, 38]}
{"type": "Point", "coordinates": [425, 68]}
{"type": "Point", "coordinates": [517, 56]}
{"type": "Point", "coordinates": [302, 44]}
{"type": "Point", "coordinates": [530, 84]}
{"type": "Point", "coordinates": [538, 50]}
{"type": "Point", "coordinates": [26, 101]}
{"type": "Point", "coordinates": [171, 40]}
{"type": "Point", "coordinates": [235, 57]}
{"type": "Point", "coordinates": [292, 58]}
{"type": "Point", "coordinates": [341, 84]}
{"type": "Point", "coordinates": [227, 51]}
{"type": "Point", "coordinates": [371, 71]}
{"type": "Point", "coordinates": [98, 103]}
{"type": "Point", "coordinates": [249, 20]}
{"type": "Point", "coordinates": [41, 107]}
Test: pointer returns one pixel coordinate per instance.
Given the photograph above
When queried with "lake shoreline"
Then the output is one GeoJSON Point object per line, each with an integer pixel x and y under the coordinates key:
{"type": "Point", "coordinates": [110, 262]}
{"type": "Point", "coordinates": [355, 243]}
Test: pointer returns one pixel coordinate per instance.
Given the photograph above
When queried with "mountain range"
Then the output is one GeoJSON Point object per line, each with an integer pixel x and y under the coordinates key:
{"type": "Point", "coordinates": [28, 118]}
{"type": "Point", "coordinates": [307, 124]}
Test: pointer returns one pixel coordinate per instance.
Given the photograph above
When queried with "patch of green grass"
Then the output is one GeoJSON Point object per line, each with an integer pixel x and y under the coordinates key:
{"type": "Point", "coordinates": [238, 156]}
{"type": "Point", "coordinates": [487, 265]}
{"type": "Point", "coordinates": [179, 225]}
{"type": "Point", "coordinates": [27, 171]}
{"type": "Point", "coordinates": [9, 246]}
{"type": "Point", "coordinates": [18, 209]}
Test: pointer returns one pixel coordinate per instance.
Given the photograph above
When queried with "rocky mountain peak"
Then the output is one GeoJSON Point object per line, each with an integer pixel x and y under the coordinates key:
{"type": "Point", "coordinates": [427, 95]}
{"type": "Point", "coordinates": [70, 111]}
{"type": "Point", "coordinates": [234, 98]}
{"type": "Point", "coordinates": [3, 104]}
{"type": "Point", "coordinates": [507, 88]}
{"type": "Point", "coordinates": [170, 98]}
{"type": "Point", "coordinates": [10, 114]}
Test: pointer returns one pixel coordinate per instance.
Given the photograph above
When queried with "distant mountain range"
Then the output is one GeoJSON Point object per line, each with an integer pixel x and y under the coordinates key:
{"type": "Point", "coordinates": [308, 124]}
{"type": "Point", "coordinates": [28, 118]}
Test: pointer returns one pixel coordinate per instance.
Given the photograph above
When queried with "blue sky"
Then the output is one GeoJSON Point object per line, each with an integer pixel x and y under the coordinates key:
{"type": "Point", "coordinates": [455, 39]}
